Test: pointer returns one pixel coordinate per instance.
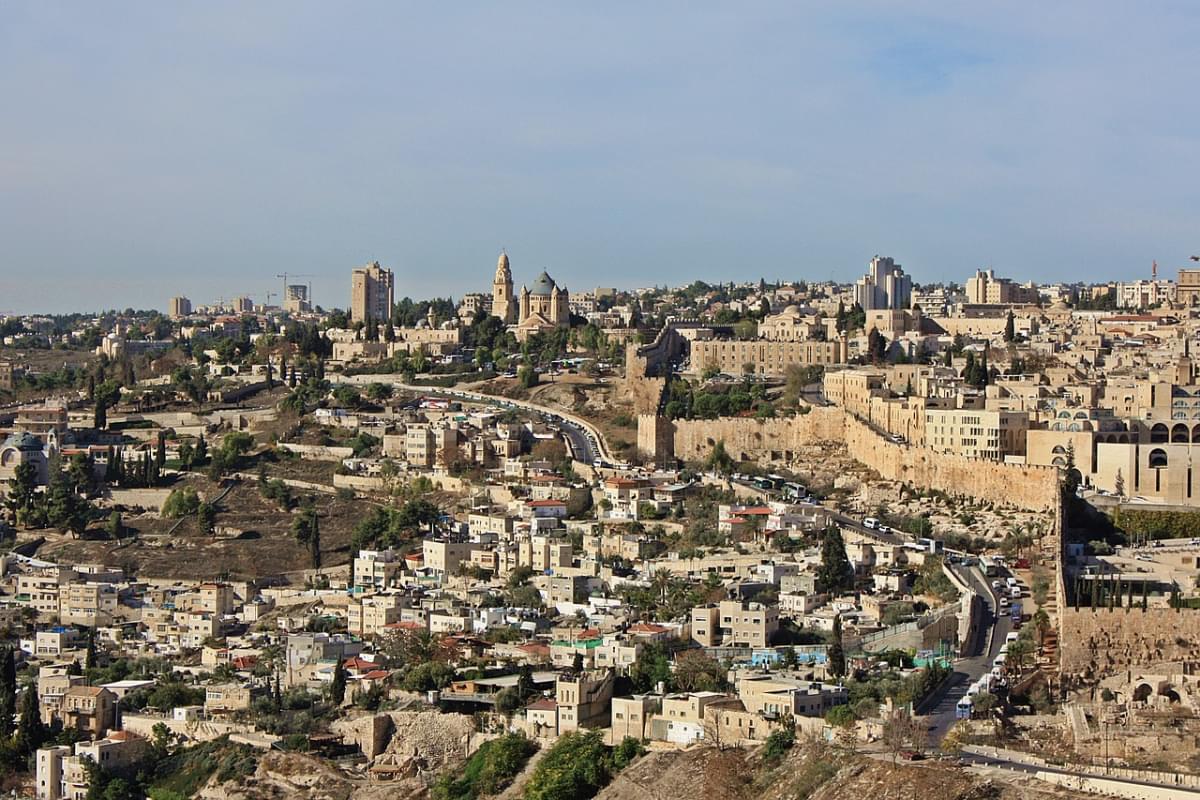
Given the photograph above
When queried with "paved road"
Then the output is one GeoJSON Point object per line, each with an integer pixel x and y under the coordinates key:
{"type": "Point", "coordinates": [981, 652]}
{"type": "Point", "coordinates": [585, 440]}
{"type": "Point", "coordinates": [980, 760]}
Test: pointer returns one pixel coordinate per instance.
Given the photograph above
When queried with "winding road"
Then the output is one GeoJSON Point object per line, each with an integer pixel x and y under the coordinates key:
{"type": "Point", "coordinates": [585, 439]}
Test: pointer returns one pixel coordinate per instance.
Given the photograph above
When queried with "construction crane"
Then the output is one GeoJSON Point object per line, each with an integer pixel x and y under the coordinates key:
{"type": "Point", "coordinates": [284, 277]}
{"type": "Point", "coordinates": [269, 296]}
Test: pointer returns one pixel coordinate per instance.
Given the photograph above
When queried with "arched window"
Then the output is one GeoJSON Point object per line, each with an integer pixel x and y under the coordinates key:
{"type": "Point", "coordinates": [1159, 434]}
{"type": "Point", "coordinates": [1158, 458]}
{"type": "Point", "coordinates": [1179, 433]}
{"type": "Point", "coordinates": [1058, 448]}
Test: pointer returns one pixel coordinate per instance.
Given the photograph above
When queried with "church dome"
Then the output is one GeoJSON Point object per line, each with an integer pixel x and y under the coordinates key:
{"type": "Point", "coordinates": [26, 442]}
{"type": "Point", "coordinates": [543, 286]}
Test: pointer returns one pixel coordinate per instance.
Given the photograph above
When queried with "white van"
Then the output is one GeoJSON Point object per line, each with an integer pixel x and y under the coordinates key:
{"type": "Point", "coordinates": [1000, 659]}
{"type": "Point", "coordinates": [1011, 637]}
{"type": "Point", "coordinates": [871, 523]}
{"type": "Point", "coordinates": [1012, 582]}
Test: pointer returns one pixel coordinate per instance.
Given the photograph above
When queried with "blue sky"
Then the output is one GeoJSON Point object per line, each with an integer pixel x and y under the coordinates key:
{"type": "Point", "coordinates": [152, 149]}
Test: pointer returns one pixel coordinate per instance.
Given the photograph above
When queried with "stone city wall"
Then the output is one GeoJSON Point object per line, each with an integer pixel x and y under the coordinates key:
{"type": "Point", "coordinates": [1030, 487]}
{"type": "Point", "coordinates": [1095, 642]}
{"type": "Point", "coordinates": [750, 439]}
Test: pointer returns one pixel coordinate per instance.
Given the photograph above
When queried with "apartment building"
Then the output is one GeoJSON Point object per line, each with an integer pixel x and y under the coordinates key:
{"type": "Point", "coordinates": [52, 685]}
{"type": "Point", "coordinates": [853, 389]}
{"type": "Point", "coordinates": [372, 293]}
{"type": "Point", "coordinates": [89, 709]}
{"type": "Point", "coordinates": [180, 307]}
{"type": "Point", "coordinates": [772, 696]}
{"type": "Point", "coordinates": [39, 589]}
{"type": "Point", "coordinates": [226, 698]}
{"type": "Point", "coordinates": [90, 604]}
{"type": "Point", "coordinates": [976, 433]}
{"type": "Point", "coordinates": [444, 556]}
{"type": "Point", "coordinates": [375, 570]}
{"type": "Point", "coordinates": [369, 616]}
{"type": "Point", "coordinates": [984, 288]}
{"type": "Point", "coordinates": [44, 421]}
{"type": "Point", "coordinates": [733, 623]}
{"type": "Point", "coordinates": [61, 774]}
{"type": "Point", "coordinates": [631, 716]}
{"type": "Point", "coordinates": [583, 700]}
{"type": "Point", "coordinates": [215, 598]}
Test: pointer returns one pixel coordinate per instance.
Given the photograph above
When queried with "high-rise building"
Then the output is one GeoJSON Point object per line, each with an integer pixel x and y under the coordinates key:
{"type": "Point", "coordinates": [884, 286]}
{"type": "Point", "coordinates": [180, 307]}
{"type": "Point", "coordinates": [296, 299]}
{"type": "Point", "coordinates": [372, 292]}
{"type": "Point", "coordinates": [243, 305]}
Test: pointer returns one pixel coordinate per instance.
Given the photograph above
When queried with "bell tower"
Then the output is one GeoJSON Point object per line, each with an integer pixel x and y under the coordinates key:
{"type": "Point", "coordinates": [503, 302]}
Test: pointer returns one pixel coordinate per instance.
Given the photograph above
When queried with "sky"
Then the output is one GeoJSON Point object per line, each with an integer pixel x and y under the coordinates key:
{"type": "Point", "coordinates": [202, 148]}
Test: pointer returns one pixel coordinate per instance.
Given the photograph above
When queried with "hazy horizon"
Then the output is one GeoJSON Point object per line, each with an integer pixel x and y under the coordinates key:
{"type": "Point", "coordinates": [200, 149]}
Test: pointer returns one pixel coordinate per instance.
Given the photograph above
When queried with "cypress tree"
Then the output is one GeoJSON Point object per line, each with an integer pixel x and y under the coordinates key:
{"type": "Point", "coordinates": [837, 655]}
{"type": "Point", "coordinates": [8, 692]}
{"type": "Point", "coordinates": [834, 573]}
{"type": "Point", "coordinates": [31, 732]}
{"type": "Point", "coordinates": [337, 689]}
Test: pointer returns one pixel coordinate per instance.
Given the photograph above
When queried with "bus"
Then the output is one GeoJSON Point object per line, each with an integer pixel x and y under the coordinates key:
{"type": "Point", "coordinates": [989, 566]}
{"type": "Point", "coordinates": [963, 708]}
{"type": "Point", "coordinates": [794, 491]}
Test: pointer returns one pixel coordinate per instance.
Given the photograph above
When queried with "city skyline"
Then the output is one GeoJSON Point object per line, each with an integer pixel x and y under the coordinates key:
{"type": "Point", "coordinates": [203, 151]}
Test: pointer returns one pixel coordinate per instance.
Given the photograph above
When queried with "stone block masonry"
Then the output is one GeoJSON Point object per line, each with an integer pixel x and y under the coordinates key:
{"type": "Point", "coordinates": [1031, 488]}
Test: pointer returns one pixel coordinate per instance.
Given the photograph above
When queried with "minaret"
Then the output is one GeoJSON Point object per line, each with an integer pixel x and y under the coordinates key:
{"type": "Point", "coordinates": [503, 303]}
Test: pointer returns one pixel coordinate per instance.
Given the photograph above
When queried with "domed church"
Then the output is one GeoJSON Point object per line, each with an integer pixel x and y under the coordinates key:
{"type": "Point", "coordinates": [542, 307]}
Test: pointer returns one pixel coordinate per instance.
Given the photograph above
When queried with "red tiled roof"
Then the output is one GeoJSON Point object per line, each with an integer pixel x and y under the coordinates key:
{"type": "Point", "coordinates": [545, 503]}
{"type": "Point", "coordinates": [545, 704]}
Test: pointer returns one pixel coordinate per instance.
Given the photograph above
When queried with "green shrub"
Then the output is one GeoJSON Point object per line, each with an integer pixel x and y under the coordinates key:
{"type": "Point", "coordinates": [487, 771]}
{"type": "Point", "coordinates": [181, 503]}
{"type": "Point", "coordinates": [575, 768]}
{"type": "Point", "coordinates": [779, 742]}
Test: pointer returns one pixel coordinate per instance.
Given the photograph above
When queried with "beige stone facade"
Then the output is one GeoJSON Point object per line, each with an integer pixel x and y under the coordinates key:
{"type": "Point", "coordinates": [372, 293]}
{"type": "Point", "coordinates": [763, 356]}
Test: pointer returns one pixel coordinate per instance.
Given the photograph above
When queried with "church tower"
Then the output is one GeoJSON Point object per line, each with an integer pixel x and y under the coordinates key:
{"type": "Point", "coordinates": [504, 304]}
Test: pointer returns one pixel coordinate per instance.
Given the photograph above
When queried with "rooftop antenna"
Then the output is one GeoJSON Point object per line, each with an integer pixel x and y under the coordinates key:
{"type": "Point", "coordinates": [1154, 270]}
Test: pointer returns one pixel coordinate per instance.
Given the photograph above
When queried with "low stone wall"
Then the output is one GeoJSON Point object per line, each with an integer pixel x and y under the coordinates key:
{"type": "Point", "coordinates": [147, 499]}
{"type": "Point", "coordinates": [318, 452]}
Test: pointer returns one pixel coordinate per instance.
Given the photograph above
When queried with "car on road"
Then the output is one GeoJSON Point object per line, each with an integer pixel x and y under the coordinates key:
{"type": "Point", "coordinates": [997, 585]}
{"type": "Point", "coordinates": [871, 523]}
